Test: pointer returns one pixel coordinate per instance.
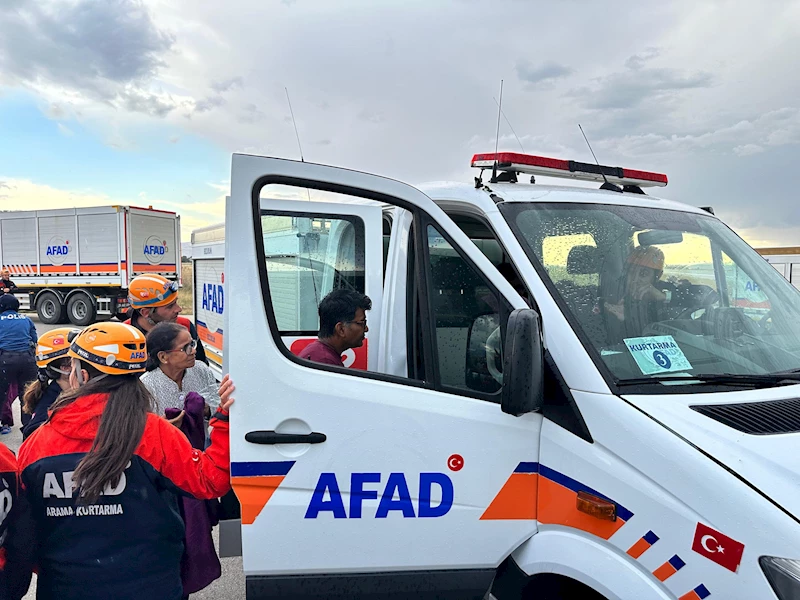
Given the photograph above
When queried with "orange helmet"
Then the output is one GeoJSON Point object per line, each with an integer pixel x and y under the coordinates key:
{"type": "Point", "coordinates": [112, 348]}
{"type": "Point", "coordinates": [151, 291]}
{"type": "Point", "coordinates": [647, 256]}
{"type": "Point", "coordinates": [54, 345]}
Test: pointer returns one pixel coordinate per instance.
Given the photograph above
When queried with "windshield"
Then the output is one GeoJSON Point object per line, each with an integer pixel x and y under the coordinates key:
{"type": "Point", "coordinates": [661, 293]}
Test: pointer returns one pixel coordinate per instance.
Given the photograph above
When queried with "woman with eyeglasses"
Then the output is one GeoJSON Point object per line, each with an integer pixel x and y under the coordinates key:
{"type": "Point", "coordinates": [104, 475]}
{"type": "Point", "coordinates": [173, 371]}
{"type": "Point", "coordinates": [53, 377]}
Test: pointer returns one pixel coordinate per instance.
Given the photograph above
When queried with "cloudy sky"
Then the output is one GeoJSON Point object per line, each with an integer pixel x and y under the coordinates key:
{"type": "Point", "coordinates": [143, 101]}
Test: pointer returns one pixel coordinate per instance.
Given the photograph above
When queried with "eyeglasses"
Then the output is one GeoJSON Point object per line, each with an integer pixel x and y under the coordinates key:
{"type": "Point", "coordinates": [362, 324]}
{"type": "Point", "coordinates": [187, 349]}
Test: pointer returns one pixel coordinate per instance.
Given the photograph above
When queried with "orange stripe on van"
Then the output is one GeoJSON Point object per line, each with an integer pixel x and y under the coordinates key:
{"type": "Point", "coordinates": [58, 269]}
{"type": "Point", "coordinates": [254, 493]}
{"type": "Point", "coordinates": [515, 500]}
{"type": "Point", "coordinates": [558, 506]}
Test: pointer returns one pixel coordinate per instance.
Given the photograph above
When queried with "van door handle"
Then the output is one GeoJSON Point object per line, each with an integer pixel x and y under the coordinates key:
{"type": "Point", "coordinates": [273, 437]}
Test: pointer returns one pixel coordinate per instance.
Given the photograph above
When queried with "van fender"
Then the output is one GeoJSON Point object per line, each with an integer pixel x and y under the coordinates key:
{"type": "Point", "coordinates": [590, 560]}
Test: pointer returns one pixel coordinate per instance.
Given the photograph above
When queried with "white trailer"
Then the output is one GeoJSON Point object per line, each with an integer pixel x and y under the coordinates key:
{"type": "Point", "coordinates": [786, 261]}
{"type": "Point", "coordinates": [74, 264]}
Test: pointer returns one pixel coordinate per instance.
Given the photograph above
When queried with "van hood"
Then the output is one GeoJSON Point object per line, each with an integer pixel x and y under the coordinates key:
{"type": "Point", "coordinates": [770, 462]}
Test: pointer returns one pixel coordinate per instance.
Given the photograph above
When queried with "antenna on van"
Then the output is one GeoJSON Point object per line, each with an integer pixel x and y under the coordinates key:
{"type": "Point", "coordinates": [607, 185]}
{"type": "Point", "coordinates": [497, 135]}
{"type": "Point", "coordinates": [511, 127]}
{"type": "Point", "coordinates": [297, 135]}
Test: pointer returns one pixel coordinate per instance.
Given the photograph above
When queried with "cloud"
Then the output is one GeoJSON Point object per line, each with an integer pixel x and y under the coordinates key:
{"type": "Point", "coordinates": [637, 61]}
{"type": "Point", "coordinates": [227, 84]}
{"type": "Point", "coordinates": [370, 117]}
{"type": "Point", "coordinates": [64, 130]}
{"type": "Point", "coordinates": [748, 149]}
{"type": "Point", "coordinates": [208, 103]}
{"type": "Point", "coordinates": [251, 114]}
{"type": "Point", "coordinates": [630, 88]}
{"type": "Point", "coordinates": [36, 196]}
{"type": "Point", "coordinates": [544, 72]}
{"type": "Point", "coordinates": [108, 50]}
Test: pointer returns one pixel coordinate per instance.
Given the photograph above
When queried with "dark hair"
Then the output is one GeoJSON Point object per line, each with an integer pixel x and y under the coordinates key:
{"type": "Point", "coordinates": [160, 339]}
{"type": "Point", "coordinates": [8, 302]}
{"type": "Point", "coordinates": [338, 307]}
{"type": "Point", "coordinates": [35, 389]}
{"type": "Point", "coordinates": [121, 427]}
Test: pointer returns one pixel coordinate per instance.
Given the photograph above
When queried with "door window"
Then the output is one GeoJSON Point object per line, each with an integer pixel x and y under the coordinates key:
{"type": "Point", "coordinates": [467, 315]}
{"type": "Point", "coordinates": [307, 257]}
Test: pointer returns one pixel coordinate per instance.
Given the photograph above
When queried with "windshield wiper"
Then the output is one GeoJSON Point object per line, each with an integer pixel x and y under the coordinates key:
{"type": "Point", "coordinates": [765, 379]}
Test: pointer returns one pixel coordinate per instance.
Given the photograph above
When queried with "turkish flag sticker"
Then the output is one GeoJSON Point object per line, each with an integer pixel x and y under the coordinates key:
{"type": "Point", "coordinates": [718, 547]}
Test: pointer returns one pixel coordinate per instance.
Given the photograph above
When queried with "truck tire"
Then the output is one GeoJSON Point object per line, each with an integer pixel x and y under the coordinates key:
{"type": "Point", "coordinates": [50, 309]}
{"type": "Point", "coordinates": [81, 310]}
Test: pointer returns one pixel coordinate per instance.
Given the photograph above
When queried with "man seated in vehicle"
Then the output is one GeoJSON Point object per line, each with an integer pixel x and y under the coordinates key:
{"type": "Point", "coordinates": [342, 325]}
{"type": "Point", "coordinates": [6, 285]}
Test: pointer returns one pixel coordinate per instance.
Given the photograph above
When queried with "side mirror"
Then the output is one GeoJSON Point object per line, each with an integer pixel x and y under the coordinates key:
{"type": "Point", "coordinates": [523, 364]}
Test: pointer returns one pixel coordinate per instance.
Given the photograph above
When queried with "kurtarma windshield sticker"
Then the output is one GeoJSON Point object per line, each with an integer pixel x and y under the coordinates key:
{"type": "Point", "coordinates": [657, 354]}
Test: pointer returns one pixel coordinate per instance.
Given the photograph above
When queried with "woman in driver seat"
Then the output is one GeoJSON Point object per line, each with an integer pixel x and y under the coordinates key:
{"type": "Point", "coordinates": [641, 300]}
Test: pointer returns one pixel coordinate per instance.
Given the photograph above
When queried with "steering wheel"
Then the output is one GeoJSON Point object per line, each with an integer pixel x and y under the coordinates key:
{"type": "Point", "coordinates": [695, 297]}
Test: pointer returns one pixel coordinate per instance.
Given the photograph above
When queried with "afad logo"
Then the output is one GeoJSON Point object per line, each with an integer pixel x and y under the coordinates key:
{"type": "Point", "coordinates": [155, 249]}
{"type": "Point", "coordinates": [57, 250]}
{"type": "Point", "coordinates": [435, 496]}
{"type": "Point", "coordinates": [214, 296]}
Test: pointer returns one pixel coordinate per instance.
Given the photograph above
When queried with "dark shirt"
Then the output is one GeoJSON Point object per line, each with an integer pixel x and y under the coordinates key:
{"type": "Point", "coordinates": [40, 411]}
{"type": "Point", "coordinates": [320, 352]}
{"type": "Point", "coordinates": [17, 332]}
{"type": "Point", "coordinates": [7, 283]}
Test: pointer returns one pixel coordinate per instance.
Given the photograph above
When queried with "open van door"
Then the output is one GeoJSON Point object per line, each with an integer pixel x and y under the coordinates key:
{"type": "Point", "coordinates": [354, 480]}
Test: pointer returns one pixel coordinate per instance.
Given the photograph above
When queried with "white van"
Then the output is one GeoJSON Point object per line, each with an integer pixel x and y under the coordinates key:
{"type": "Point", "coordinates": [564, 396]}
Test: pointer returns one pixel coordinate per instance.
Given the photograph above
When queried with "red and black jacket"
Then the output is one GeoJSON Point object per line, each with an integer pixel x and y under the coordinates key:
{"type": "Point", "coordinates": [129, 543]}
{"type": "Point", "coordinates": [16, 532]}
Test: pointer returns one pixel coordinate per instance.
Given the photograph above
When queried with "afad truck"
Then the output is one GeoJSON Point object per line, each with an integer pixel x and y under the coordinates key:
{"type": "Point", "coordinates": [74, 264]}
{"type": "Point", "coordinates": [564, 396]}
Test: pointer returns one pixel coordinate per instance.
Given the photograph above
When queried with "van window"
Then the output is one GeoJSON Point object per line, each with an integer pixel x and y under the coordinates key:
{"type": "Point", "coordinates": [307, 257]}
{"type": "Point", "coordinates": [467, 316]}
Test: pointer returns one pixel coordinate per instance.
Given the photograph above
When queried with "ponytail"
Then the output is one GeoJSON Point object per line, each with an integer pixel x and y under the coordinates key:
{"type": "Point", "coordinates": [33, 392]}
{"type": "Point", "coordinates": [47, 375]}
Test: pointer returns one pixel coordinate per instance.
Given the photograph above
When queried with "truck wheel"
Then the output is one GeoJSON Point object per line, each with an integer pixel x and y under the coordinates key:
{"type": "Point", "coordinates": [50, 309]}
{"type": "Point", "coordinates": [81, 310]}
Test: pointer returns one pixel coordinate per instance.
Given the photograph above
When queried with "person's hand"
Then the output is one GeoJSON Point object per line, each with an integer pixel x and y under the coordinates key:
{"type": "Point", "coordinates": [618, 310]}
{"type": "Point", "coordinates": [178, 421]}
{"type": "Point", "coordinates": [6, 290]}
{"type": "Point", "coordinates": [226, 388]}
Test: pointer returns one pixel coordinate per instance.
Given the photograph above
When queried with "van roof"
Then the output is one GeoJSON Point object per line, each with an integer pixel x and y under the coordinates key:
{"type": "Point", "coordinates": [452, 194]}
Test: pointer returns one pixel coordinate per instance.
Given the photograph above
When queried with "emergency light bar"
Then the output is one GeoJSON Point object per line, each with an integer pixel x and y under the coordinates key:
{"type": "Point", "coordinates": [570, 169]}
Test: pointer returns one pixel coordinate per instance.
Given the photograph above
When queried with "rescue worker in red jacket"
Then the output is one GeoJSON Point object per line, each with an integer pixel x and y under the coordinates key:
{"type": "Point", "coordinates": [16, 532]}
{"type": "Point", "coordinates": [104, 474]}
{"type": "Point", "coordinates": [153, 300]}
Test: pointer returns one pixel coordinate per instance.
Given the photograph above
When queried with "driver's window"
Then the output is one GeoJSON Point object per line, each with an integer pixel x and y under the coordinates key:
{"type": "Point", "coordinates": [467, 316]}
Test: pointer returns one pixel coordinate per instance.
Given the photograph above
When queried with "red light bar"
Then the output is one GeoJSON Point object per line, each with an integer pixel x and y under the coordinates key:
{"type": "Point", "coordinates": [570, 169]}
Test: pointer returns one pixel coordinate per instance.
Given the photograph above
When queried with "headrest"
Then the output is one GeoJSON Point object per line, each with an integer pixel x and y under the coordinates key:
{"type": "Point", "coordinates": [583, 260]}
